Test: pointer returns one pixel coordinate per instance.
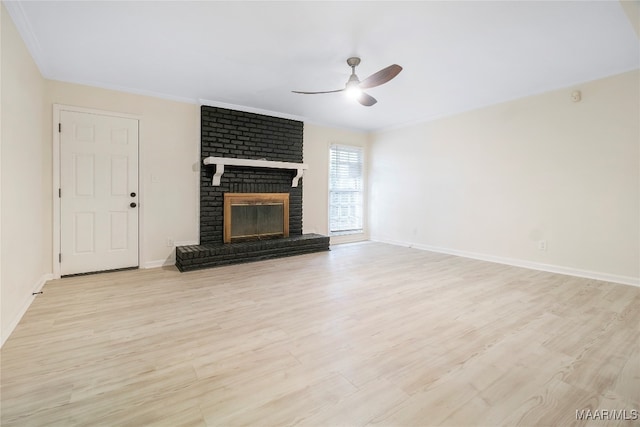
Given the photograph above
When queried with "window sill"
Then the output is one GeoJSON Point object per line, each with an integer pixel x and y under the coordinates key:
{"type": "Point", "coordinates": [345, 233]}
{"type": "Point", "coordinates": [348, 237]}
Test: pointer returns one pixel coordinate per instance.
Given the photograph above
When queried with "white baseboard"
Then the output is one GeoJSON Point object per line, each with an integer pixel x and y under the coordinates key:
{"type": "Point", "coordinates": [570, 271]}
{"type": "Point", "coordinates": [186, 243]}
{"type": "Point", "coordinates": [168, 261]}
{"type": "Point", "coordinates": [14, 322]}
{"type": "Point", "coordinates": [158, 263]}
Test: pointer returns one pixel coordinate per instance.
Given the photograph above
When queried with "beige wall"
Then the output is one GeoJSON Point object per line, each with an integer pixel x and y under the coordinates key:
{"type": "Point", "coordinates": [170, 153]}
{"type": "Point", "coordinates": [315, 200]}
{"type": "Point", "coordinates": [632, 9]}
{"type": "Point", "coordinates": [25, 256]}
{"type": "Point", "coordinates": [492, 183]}
{"type": "Point", "coordinates": [169, 162]}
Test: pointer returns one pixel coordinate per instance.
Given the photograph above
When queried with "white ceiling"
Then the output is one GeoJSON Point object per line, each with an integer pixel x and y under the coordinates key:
{"type": "Point", "coordinates": [250, 55]}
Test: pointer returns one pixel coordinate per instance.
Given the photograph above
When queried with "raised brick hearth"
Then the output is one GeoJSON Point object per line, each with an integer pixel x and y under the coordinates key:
{"type": "Point", "coordinates": [237, 134]}
{"type": "Point", "coordinates": [204, 256]}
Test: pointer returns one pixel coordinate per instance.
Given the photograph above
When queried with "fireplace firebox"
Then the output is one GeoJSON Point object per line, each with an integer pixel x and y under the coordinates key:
{"type": "Point", "coordinates": [255, 216]}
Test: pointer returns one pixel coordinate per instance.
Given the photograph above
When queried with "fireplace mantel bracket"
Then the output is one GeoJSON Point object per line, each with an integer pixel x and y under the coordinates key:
{"type": "Point", "coordinates": [221, 162]}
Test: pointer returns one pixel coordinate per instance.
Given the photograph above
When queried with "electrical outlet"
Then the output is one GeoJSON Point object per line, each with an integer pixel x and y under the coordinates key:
{"type": "Point", "coordinates": [169, 242]}
{"type": "Point", "coordinates": [542, 245]}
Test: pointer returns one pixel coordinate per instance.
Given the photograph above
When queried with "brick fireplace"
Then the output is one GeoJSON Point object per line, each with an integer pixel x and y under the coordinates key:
{"type": "Point", "coordinates": [262, 140]}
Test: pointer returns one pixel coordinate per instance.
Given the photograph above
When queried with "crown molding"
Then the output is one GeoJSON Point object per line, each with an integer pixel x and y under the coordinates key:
{"type": "Point", "coordinates": [246, 109]}
{"type": "Point", "coordinates": [19, 18]}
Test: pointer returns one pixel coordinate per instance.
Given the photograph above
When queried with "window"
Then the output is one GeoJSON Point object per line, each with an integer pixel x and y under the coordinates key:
{"type": "Point", "coordinates": [345, 189]}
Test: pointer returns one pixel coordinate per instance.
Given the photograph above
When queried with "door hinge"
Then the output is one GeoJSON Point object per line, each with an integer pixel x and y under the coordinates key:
{"type": "Point", "coordinates": [59, 127]}
{"type": "Point", "coordinates": [59, 192]}
{"type": "Point", "coordinates": [60, 258]}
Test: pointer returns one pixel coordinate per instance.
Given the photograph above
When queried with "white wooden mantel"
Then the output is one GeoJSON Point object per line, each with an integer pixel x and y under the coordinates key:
{"type": "Point", "coordinates": [221, 162]}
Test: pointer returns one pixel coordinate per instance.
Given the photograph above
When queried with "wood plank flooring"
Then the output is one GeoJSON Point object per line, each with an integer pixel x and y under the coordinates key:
{"type": "Point", "coordinates": [364, 335]}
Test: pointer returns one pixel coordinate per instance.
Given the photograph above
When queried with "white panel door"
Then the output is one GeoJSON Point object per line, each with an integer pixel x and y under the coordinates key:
{"type": "Point", "coordinates": [99, 192]}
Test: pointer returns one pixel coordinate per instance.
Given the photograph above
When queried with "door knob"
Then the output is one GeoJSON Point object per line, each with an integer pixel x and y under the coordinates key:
{"type": "Point", "coordinates": [133, 204]}
{"type": "Point", "coordinates": [133, 194]}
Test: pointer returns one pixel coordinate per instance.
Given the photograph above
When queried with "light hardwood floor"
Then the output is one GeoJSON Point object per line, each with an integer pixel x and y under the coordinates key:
{"type": "Point", "coordinates": [367, 334]}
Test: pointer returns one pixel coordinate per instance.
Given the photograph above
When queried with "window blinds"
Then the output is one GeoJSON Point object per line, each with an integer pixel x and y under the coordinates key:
{"type": "Point", "coordinates": [345, 189]}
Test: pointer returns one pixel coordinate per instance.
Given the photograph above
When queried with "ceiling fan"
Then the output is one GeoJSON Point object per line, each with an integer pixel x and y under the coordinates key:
{"type": "Point", "coordinates": [354, 86]}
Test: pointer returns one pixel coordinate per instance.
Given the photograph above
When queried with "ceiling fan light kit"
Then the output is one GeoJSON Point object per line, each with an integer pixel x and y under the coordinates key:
{"type": "Point", "coordinates": [353, 87]}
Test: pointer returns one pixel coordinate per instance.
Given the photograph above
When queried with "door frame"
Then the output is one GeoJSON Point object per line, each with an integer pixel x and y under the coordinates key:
{"type": "Point", "coordinates": [56, 228]}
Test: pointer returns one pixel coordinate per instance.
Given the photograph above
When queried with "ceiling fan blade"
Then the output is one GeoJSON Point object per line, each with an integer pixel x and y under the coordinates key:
{"type": "Point", "coordinates": [381, 77]}
{"type": "Point", "coordinates": [315, 93]}
{"type": "Point", "coordinates": [366, 100]}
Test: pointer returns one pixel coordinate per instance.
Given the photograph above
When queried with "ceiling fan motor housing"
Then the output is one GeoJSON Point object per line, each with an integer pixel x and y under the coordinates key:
{"type": "Point", "coordinates": [353, 61]}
